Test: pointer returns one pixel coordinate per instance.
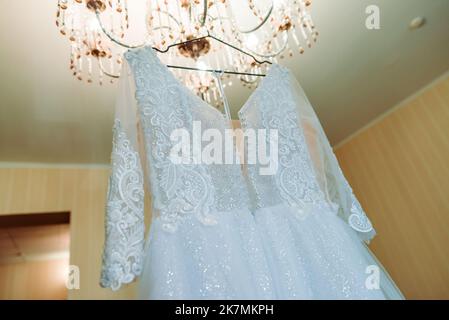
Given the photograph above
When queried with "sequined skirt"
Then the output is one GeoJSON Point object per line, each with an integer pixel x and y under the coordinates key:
{"type": "Point", "coordinates": [221, 261]}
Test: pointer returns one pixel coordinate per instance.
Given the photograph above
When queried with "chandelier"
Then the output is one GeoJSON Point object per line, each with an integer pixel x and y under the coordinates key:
{"type": "Point", "coordinates": [100, 31]}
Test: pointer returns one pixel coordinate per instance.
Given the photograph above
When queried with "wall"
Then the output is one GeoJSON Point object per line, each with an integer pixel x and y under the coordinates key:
{"type": "Point", "coordinates": [399, 169]}
{"type": "Point", "coordinates": [33, 280]}
{"type": "Point", "coordinates": [82, 191]}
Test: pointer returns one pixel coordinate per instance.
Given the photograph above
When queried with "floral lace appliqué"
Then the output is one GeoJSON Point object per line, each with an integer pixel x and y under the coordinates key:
{"type": "Point", "coordinates": [123, 252]}
{"type": "Point", "coordinates": [179, 190]}
{"type": "Point", "coordinates": [358, 219]}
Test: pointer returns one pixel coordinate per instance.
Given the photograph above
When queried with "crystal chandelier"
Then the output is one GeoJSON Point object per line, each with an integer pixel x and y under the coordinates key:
{"type": "Point", "coordinates": [100, 31]}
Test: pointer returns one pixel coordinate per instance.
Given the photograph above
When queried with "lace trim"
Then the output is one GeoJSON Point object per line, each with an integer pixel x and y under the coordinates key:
{"type": "Point", "coordinates": [123, 250]}
{"type": "Point", "coordinates": [358, 219]}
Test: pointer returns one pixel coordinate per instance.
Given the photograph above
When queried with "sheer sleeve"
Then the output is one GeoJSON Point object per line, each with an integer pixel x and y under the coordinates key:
{"type": "Point", "coordinates": [124, 221]}
{"type": "Point", "coordinates": [328, 172]}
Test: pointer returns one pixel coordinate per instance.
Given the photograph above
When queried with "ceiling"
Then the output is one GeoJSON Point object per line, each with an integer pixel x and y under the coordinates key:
{"type": "Point", "coordinates": [351, 76]}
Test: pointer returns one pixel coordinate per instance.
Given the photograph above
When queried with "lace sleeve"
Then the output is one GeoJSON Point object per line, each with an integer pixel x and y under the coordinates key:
{"type": "Point", "coordinates": [124, 221]}
{"type": "Point", "coordinates": [341, 193]}
{"type": "Point", "coordinates": [327, 169]}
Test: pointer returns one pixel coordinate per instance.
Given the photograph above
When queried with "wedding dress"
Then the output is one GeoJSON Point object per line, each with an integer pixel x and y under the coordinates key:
{"type": "Point", "coordinates": [215, 233]}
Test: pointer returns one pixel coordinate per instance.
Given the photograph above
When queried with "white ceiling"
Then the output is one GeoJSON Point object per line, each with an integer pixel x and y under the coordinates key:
{"type": "Point", "coordinates": [351, 76]}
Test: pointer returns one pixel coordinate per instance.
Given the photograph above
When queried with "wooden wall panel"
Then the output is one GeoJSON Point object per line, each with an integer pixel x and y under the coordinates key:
{"type": "Point", "coordinates": [33, 280]}
{"type": "Point", "coordinates": [399, 169]}
{"type": "Point", "coordinates": [82, 191]}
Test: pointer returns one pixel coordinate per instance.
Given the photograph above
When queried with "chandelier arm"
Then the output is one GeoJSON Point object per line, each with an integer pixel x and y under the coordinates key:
{"type": "Point", "coordinates": [106, 73]}
{"type": "Point", "coordinates": [273, 54]}
{"type": "Point", "coordinates": [112, 38]}
{"type": "Point", "coordinates": [167, 26]}
{"type": "Point", "coordinates": [257, 27]}
{"type": "Point", "coordinates": [238, 49]}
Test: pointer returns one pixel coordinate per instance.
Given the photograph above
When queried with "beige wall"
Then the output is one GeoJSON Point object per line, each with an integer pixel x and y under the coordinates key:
{"type": "Point", "coordinates": [34, 280]}
{"type": "Point", "coordinates": [399, 169]}
{"type": "Point", "coordinates": [82, 191]}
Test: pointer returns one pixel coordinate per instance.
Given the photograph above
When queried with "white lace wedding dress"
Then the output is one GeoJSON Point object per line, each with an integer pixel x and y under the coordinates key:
{"type": "Point", "coordinates": [216, 233]}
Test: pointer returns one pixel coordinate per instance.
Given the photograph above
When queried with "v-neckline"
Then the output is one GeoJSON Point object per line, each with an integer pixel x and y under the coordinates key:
{"type": "Point", "coordinates": [265, 79]}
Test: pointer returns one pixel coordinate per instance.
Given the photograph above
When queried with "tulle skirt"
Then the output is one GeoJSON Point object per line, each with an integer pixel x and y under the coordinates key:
{"type": "Point", "coordinates": [318, 256]}
{"type": "Point", "coordinates": [221, 261]}
{"type": "Point", "coordinates": [270, 254]}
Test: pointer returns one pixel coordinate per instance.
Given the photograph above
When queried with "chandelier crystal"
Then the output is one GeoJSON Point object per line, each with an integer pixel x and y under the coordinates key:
{"type": "Point", "coordinates": [100, 31]}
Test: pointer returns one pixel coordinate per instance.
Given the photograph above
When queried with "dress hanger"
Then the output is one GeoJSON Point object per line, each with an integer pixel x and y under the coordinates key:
{"type": "Point", "coordinates": [215, 71]}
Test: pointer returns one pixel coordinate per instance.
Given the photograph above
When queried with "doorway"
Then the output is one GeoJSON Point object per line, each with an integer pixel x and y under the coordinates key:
{"type": "Point", "coordinates": [34, 256]}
